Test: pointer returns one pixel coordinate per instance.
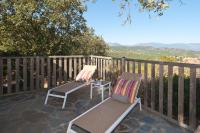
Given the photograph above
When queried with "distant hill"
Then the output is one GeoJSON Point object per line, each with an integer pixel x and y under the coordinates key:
{"type": "Point", "coordinates": [183, 46]}
{"type": "Point", "coordinates": [151, 52]}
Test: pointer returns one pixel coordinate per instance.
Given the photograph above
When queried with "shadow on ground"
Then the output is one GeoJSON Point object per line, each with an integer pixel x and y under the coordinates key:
{"type": "Point", "coordinates": [26, 113]}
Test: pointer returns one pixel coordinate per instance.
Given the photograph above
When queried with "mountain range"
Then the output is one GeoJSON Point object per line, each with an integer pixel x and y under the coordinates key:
{"type": "Point", "coordinates": [183, 46]}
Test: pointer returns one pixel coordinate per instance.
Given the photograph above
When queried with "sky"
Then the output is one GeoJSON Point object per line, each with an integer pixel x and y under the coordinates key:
{"type": "Point", "coordinates": [179, 24]}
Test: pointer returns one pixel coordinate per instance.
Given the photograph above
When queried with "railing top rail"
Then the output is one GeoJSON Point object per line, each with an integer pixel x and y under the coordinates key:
{"type": "Point", "coordinates": [103, 57]}
{"type": "Point", "coordinates": [57, 56]}
{"type": "Point", "coordinates": [69, 56]}
{"type": "Point", "coordinates": [115, 58]}
{"type": "Point", "coordinates": [160, 62]}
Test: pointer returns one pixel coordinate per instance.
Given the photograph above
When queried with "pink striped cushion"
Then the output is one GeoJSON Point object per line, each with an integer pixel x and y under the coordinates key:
{"type": "Point", "coordinates": [84, 75]}
{"type": "Point", "coordinates": [126, 88]}
{"type": "Point", "coordinates": [80, 75]}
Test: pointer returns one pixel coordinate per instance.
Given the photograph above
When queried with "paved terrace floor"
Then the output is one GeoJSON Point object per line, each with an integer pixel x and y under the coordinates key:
{"type": "Point", "coordinates": [26, 113]}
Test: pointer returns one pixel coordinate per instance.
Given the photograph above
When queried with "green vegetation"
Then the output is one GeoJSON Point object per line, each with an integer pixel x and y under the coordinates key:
{"type": "Point", "coordinates": [151, 53]}
{"type": "Point", "coordinates": [47, 27]}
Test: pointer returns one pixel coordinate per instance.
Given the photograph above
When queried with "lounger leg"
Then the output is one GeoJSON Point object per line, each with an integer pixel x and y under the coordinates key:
{"type": "Point", "coordinates": [69, 127]}
{"type": "Point", "coordinates": [91, 89]}
{"type": "Point", "coordinates": [64, 101]}
{"type": "Point", "coordinates": [102, 93]}
{"type": "Point", "coordinates": [47, 97]}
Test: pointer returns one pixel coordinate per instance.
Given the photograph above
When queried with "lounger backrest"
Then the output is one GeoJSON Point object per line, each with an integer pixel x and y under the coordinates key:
{"type": "Point", "coordinates": [132, 76]}
{"type": "Point", "coordinates": [86, 73]}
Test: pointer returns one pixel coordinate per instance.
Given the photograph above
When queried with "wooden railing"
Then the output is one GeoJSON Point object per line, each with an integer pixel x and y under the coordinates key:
{"type": "Point", "coordinates": [170, 89]}
{"type": "Point", "coordinates": [18, 74]}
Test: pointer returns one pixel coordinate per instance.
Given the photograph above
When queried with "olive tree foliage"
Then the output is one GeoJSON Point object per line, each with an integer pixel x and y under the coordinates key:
{"type": "Point", "coordinates": [47, 27]}
{"type": "Point", "coordinates": [155, 7]}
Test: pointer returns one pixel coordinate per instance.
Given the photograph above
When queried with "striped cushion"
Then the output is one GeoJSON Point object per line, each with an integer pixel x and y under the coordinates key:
{"type": "Point", "coordinates": [87, 75]}
{"type": "Point", "coordinates": [80, 74]}
{"type": "Point", "coordinates": [84, 75]}
{"type": "Point", "coordinates": [126, 88]}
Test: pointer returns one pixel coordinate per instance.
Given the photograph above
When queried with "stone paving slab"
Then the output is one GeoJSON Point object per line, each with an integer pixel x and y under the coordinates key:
{"type": "Point", "coordinates": [26, 113]}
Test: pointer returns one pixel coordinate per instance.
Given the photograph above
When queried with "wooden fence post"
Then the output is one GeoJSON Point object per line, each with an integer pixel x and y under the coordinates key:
{"type": "Point", "coordinates": [123, 64]}
{"type": "Point", "coordinates": [192, 108]}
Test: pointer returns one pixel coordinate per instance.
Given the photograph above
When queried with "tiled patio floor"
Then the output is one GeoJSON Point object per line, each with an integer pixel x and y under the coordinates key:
{"type": "Point", "coordinates": [26, 113]}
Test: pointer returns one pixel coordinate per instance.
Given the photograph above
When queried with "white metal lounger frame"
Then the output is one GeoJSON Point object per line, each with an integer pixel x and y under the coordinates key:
{"type": "Point", "coordinates": [116, 123]}
{"type": "Point", "coordinates": [66, 93]}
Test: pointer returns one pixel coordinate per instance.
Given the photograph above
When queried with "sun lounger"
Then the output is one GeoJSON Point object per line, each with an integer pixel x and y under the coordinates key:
{"type": "Point", "coordinates": [105, 116]}
{"type": "Point", "coordinates": [82, 79]}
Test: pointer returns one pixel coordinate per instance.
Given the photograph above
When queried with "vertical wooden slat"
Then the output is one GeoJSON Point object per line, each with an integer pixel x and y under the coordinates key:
{"type": "Point", "coordinates": [161, 88]}
{"type": "Point", "coordinates": [139, 67]}
{"type": "Point", "coordinates": [49, 72]}
{"type": "Point", "coordinates": [65, 69]}
{"type": "Point", "coordinates": [79, 65]}
{"type": "Point", "coordinates": [130, 66]}
{"type": "Point", "coordinates": [9, 75]}
{"type": "Point", "coordinates": [103, 68]}
{"type": "Point", "coordinates": [42, 73]}
{"type": "Point", "coordinates": [153, 86]}
{"type": "Point", "coordinates": [192, 101]}
{"type": "Point", "coordinates": [107, 68]}
{"type": "Point", "coordinates": [145, 85]}
{"type": "Point", "coordinates": [119, 65]}
{"type": "Point", "coordinates": [70, 68]}
{"type": "Point", "coordinates": [1, 76]}
{"type": "Point", "coordinates": [31, 73]}
{"type": "Point", "coordinates": [99, 67]}
{"type": "Point", "coordinates": [126, 66]}
{"type": "Point", "coordinates": [123, 64]}
{"type": "Point", "coordinates": [60, 78]}
{"type": "Point", "coordinates": [24, 74]}
{"type": "Point", "coordinates": [96, 60]}
{"type": "Point", "coordinates": [170, 91]}
{"type": "Point", "coordinates": [17, 74]}
{"type": "Point", "coordinates": [133, 67]}
{"type": "Point", "coordinates": [75, 68]}
{"type": "Point", "coordinates": [101, 73]}
{"type": "Point", "coordinates": [181, 95]}
{"type": "Point", "coordinates": [84, 62]}
{"type": "Point", "coordinates": [37, 72]}
{"type": "Point", "coordinates": [110, 67]}
{"type": "Point", "coordinates": [54, 80]}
